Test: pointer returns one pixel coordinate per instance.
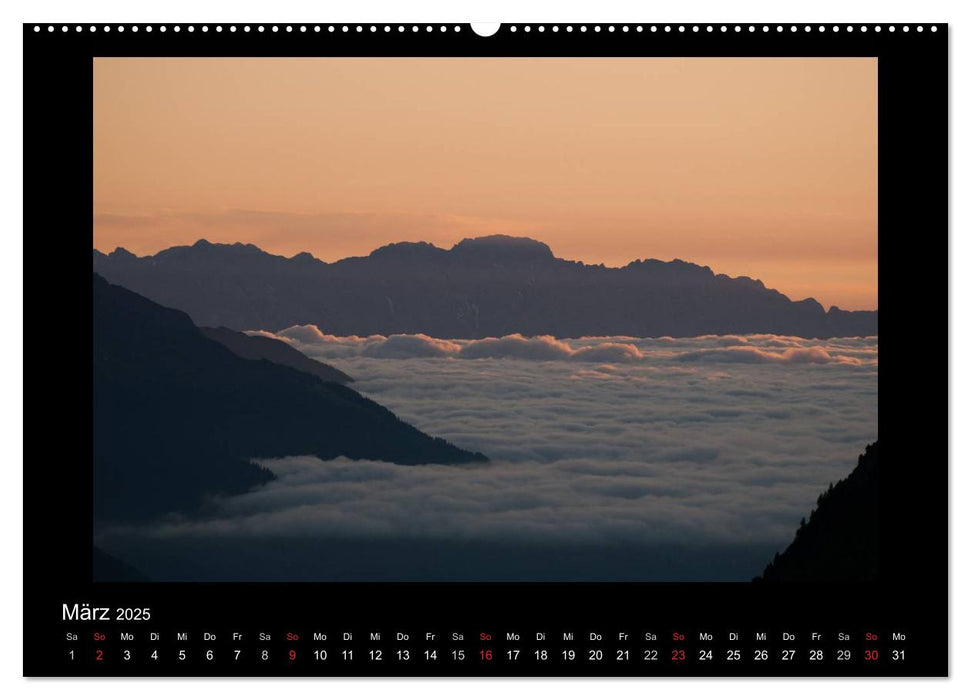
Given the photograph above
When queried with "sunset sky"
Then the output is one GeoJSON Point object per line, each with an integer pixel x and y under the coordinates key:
{"type": "Point", "coordinates": [758, 167]}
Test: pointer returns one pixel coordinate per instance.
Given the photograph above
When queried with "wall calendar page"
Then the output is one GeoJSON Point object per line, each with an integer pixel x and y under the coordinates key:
{"type": "Point", "coordinates": [432, 350]}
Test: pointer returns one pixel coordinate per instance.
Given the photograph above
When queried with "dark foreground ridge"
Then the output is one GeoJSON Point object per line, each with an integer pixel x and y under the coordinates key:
{"type": "Point", "coordinates": [259, 347]}
{"type": "Point", "coordinates": [179, 417]}
{"type": "Point", "coordinates": [490, 286]}
{"type": "Point", "coordinates": [839, 542]}
{"type": "Point", "coordinates": [105, 567]}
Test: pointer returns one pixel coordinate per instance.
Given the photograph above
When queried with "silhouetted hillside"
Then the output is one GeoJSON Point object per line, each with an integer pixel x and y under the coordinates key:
{"type": "Point", "coordinates": [481, 287]}
{"type": "Point", "coordinates": [839, 541]}
{"type": "Point", "coordinates": [258, 347]}
{"type": "Point", "coordinates": [108, 568]}
{"type": "Point", "coordinates": [178, 416]}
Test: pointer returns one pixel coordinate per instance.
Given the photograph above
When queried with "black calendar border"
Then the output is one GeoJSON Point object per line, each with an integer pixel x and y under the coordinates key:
{"type": "Point", "coordinates": [912, 591]}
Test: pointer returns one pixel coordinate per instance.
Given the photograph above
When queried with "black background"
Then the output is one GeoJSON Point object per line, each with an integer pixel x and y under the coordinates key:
{"type": "Point", "coordinates": [910, 596]}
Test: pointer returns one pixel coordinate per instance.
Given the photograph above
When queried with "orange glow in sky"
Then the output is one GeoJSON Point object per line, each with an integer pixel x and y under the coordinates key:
{"type": "Point", "coordinates": [758, 167]}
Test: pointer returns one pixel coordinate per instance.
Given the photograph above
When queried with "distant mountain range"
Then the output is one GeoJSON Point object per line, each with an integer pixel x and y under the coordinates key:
{"type": "Point", "coordinates": [490, 286]}
{"type": "Point", "coordinates": [839, 541]}
{"type": "Point", "coordinates": [179, 417]}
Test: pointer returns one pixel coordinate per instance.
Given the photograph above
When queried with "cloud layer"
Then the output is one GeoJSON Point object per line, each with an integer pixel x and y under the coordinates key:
{"type": "Point", "coordinates": [754, 349]}
{"type": "Point", "coordinates": [702, 442]}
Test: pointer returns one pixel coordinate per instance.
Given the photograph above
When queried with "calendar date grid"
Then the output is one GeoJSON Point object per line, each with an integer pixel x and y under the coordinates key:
{"type": "Point", "coordinates": [327, 651]}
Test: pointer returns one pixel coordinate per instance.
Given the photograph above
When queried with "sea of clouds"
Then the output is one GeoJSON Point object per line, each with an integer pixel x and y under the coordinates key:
{"type": "Point", "coordinates": [661, 444]}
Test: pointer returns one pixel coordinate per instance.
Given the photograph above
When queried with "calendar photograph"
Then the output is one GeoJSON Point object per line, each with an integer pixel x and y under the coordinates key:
{"type": "Point", "coordinates": [485, 319]}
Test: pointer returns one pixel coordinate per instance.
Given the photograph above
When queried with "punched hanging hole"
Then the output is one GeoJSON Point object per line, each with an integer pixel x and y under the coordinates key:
{"type": "Point", "coordinates": [486, 29]}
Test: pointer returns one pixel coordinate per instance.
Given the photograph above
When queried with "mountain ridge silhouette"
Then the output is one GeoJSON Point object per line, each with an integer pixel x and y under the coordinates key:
{"type": "Point", "coordinates": [259, 347]}
{"type": "Point", "coordinates": [481, 287]}
{"type": "Point", "coordinates": [839, 541]}
{"type": "Point", "coordinates": [179, 417]}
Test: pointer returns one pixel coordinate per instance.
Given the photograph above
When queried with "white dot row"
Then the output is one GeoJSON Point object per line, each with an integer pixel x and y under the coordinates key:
{"type": "Point", "coordinates": [257, 28]}
{"type": "Point", "coordinates": [727, 27]}
{"type": "Point", "coordinates": [695, 28]}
